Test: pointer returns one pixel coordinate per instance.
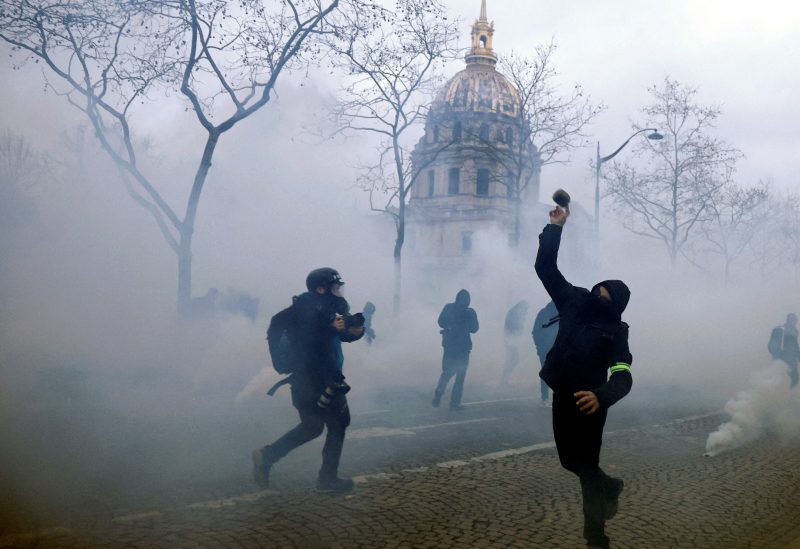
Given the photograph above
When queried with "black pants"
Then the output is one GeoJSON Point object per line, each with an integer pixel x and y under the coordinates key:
{"type": "Point", "coordinates": [454, 363]}
{"type": "Point", "coordinates": [792, 368]}
{"type": "Point", "coordinates": [312, 421]}
{"type": "Point", "coordinates": [578, 440]}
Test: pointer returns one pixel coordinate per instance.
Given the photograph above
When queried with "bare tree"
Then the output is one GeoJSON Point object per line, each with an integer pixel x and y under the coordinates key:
{"type": "Point", "coordinates": [550, 124]}
{"type": "Point", "coordinates": [394, 73]}
{"type": "Point", "coordinates": [108, 56]}
{"type": "Point", "coordinates": [20, 169]}
{"type": "Point", "coordinates": [737, 215]}
{"type": "Point", "coordinates": [672, 194]}
{"type": "Point", "coordinates": [785, 213]}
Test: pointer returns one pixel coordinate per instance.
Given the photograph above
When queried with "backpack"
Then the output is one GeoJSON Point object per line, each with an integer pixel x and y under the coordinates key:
{"type": "Point", "coordinates": [280, 340]}
{"type": "Point", "coordinates": [775, 345]}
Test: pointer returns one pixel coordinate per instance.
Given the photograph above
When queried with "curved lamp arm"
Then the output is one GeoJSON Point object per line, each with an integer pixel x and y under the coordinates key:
{"type": "Point", "coordinates": [612, 155]}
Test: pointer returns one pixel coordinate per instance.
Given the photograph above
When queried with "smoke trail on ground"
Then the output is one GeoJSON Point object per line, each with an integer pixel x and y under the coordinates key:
{"type": "Point", "coordinates": [769, 406]}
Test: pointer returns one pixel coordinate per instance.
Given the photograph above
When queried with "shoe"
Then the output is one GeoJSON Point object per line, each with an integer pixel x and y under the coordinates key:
{"type": "Point", "coordinates": [261, 467]}
{"type": "Point", "coordinates": [612, 498]}
{"type": "Point", "coordinates": [335, 484]}
{"type": "Point", "coordinates": [437, 400]}
{"type": "Point", "coordinates": [456, 407]}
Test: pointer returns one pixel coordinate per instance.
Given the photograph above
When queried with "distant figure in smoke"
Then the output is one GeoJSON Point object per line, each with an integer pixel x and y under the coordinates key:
{"type": "Point", "coordinates": [545, 328]}
{"type": "Point", "coordinates": [241, 303]}
{"type": "Point", "coordinates": [512, 337]}
{"type": "Point", "coordinates": [591, 340]}
{"type": "Point", "coordinates": [369, 312]}
{"type": "Point", "coordinates": [206, 305]}
{"type": "Point", "coordinates": [457, 321]}
{"type": "Point", "coordinates": [319, 321]}
{"type": "Point", "coordinates": [783, 345]}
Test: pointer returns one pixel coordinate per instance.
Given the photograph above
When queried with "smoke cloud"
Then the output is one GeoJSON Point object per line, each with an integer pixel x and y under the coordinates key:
{"type": "Point", "coordinates": [769, 406]}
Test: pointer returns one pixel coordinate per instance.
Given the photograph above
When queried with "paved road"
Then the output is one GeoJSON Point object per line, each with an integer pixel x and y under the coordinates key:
{"type": "Point", "coordinates": [422, 485]}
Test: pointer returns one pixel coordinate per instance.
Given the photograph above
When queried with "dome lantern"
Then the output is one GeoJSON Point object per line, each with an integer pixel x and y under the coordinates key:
{"type": "Point", "coordinates": [481, 52]}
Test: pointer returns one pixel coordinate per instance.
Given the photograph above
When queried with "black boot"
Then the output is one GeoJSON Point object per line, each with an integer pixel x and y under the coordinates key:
{"type": "Point", "coordinates": [262, 463]}
{"type": "Point", "coordinates": [335, 484]}
{"type": "Point", "coordinates": [614, 488]}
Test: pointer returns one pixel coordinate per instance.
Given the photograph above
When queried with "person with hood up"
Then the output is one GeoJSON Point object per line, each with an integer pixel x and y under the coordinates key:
{"type": "Point", "coordinates": [591, 341]}
{"type": "Point", "coordinates": [457, 321]}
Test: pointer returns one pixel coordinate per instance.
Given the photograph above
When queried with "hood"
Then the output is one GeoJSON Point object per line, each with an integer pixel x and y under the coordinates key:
{"type": "Point", "coordinates": [620, 294]}
{"type": "Point", "coordinates": [463, 298]}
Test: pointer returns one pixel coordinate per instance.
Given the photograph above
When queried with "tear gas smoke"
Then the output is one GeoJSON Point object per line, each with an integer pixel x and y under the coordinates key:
{"type": "Point", "coordinates": [769, 406]}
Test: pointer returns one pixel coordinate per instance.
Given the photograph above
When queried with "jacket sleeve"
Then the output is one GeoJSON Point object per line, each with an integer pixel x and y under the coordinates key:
{"type": "Point", "coordinates": [444, 317]}
{"type": "Point", "coordinates": [620, 382]}
{"type": "Point", "coordinates": [547, 269]}
{"type": "Point", "coordinates": [473, 321]}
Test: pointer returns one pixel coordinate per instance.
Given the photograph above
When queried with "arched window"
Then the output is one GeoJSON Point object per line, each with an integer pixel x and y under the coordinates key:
{"type": "Point", "coordinates": [483, 134]}
{"type": "Point", "coordinates": [431, 182]}
{"type": "Point", "coordinates": [457, 132]}
{"type": "Point", "coordinates": [483, 42]}
{"type": "Point", "coordinates": [510, 137]}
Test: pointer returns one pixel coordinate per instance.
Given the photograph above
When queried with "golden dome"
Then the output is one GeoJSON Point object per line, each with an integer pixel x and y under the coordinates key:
{"type": "Point", "coordinates": [480, 88]}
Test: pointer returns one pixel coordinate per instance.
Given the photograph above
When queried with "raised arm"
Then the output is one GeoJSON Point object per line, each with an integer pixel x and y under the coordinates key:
{"type": "Point", "coordinates": [546, 259]}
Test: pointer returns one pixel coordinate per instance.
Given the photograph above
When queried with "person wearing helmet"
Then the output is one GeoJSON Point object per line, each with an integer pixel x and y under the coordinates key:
{"type": "Point", "coordinates": [591, 341]}
{"type": "Point", "coordinates": [322, 321]}
{"type": "Point", "coordinates": [457, 321]}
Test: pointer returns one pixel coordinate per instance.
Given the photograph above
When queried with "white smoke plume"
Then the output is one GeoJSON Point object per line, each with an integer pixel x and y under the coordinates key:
{"type": "Point", "coordinates": [769, 406]}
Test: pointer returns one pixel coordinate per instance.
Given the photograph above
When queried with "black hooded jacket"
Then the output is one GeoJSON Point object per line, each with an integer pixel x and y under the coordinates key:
{"type": "Point", "coordinates": [458, 320]}
{"type": "Point", "coordinates": [591, 335]}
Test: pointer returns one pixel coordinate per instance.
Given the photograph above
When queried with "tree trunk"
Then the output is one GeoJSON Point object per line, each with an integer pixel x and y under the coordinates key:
{"type": "Point", "coordinates": [401, 223]}
{"type": "Point", "coordinates": [187, 229]}
{"type": "Point", "coordinates": [517, 213]}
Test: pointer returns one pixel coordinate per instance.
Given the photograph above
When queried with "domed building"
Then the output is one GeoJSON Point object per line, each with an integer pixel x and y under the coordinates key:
{"type": "Point", "coordinates": [470, 158]}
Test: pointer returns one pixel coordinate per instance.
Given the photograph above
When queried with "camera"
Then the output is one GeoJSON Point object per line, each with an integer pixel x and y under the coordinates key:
{"type": "Point", "coordinates": [334, 388]}
{"type": "Point", "coordinates": [354, 321]}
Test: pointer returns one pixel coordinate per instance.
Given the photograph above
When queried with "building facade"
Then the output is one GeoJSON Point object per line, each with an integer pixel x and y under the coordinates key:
{"type": "Point", "coordinates": [469, 162]}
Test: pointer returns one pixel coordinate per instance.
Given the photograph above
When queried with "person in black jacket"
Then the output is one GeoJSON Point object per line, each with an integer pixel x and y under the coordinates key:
{"type": "Point", "coordinates": [321, 322]}
{"type": "Point", "coordinates": [457, 321]}
{"type": "Point", "coordinates": [591, 340]}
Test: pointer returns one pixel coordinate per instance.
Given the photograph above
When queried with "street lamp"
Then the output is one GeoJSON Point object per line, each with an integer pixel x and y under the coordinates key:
{"type": "Point", "coordinates": [601, 159]}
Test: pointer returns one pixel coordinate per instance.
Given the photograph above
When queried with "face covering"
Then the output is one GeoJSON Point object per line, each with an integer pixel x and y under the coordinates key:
{"type": "Point", "coordinates": [337, 290]}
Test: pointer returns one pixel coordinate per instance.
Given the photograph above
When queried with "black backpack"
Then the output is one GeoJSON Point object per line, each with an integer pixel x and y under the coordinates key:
{"type": "Point", "coordinates": [775, 345]}
{"type": "Point", "coordinates": [281, 340]}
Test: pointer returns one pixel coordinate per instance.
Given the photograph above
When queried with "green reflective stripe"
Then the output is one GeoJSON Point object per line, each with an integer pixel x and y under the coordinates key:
{"type": "Point", "coordinates": [620, 367]}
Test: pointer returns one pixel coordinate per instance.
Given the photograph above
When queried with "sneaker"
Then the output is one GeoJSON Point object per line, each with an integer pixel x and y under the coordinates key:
{"type": "Point", "coordinates": [456, 407]}
{"type": "Point", "coordinates": [437, 400]}
{"type": "Point", "coordinates": [615, 486]}
{"type": "Point", "coordinates": [261, 467]}
{"type": "Point", "coordinates": [335, 484]}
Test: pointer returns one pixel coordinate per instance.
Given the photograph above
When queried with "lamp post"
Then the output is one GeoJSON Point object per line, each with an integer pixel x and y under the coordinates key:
{"type": "Point", "coordinates": [601, 159]}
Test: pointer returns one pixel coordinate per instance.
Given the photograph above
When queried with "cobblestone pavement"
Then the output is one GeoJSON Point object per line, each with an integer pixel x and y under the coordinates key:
{"type": "Point", "coordinates": [674, 497]}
